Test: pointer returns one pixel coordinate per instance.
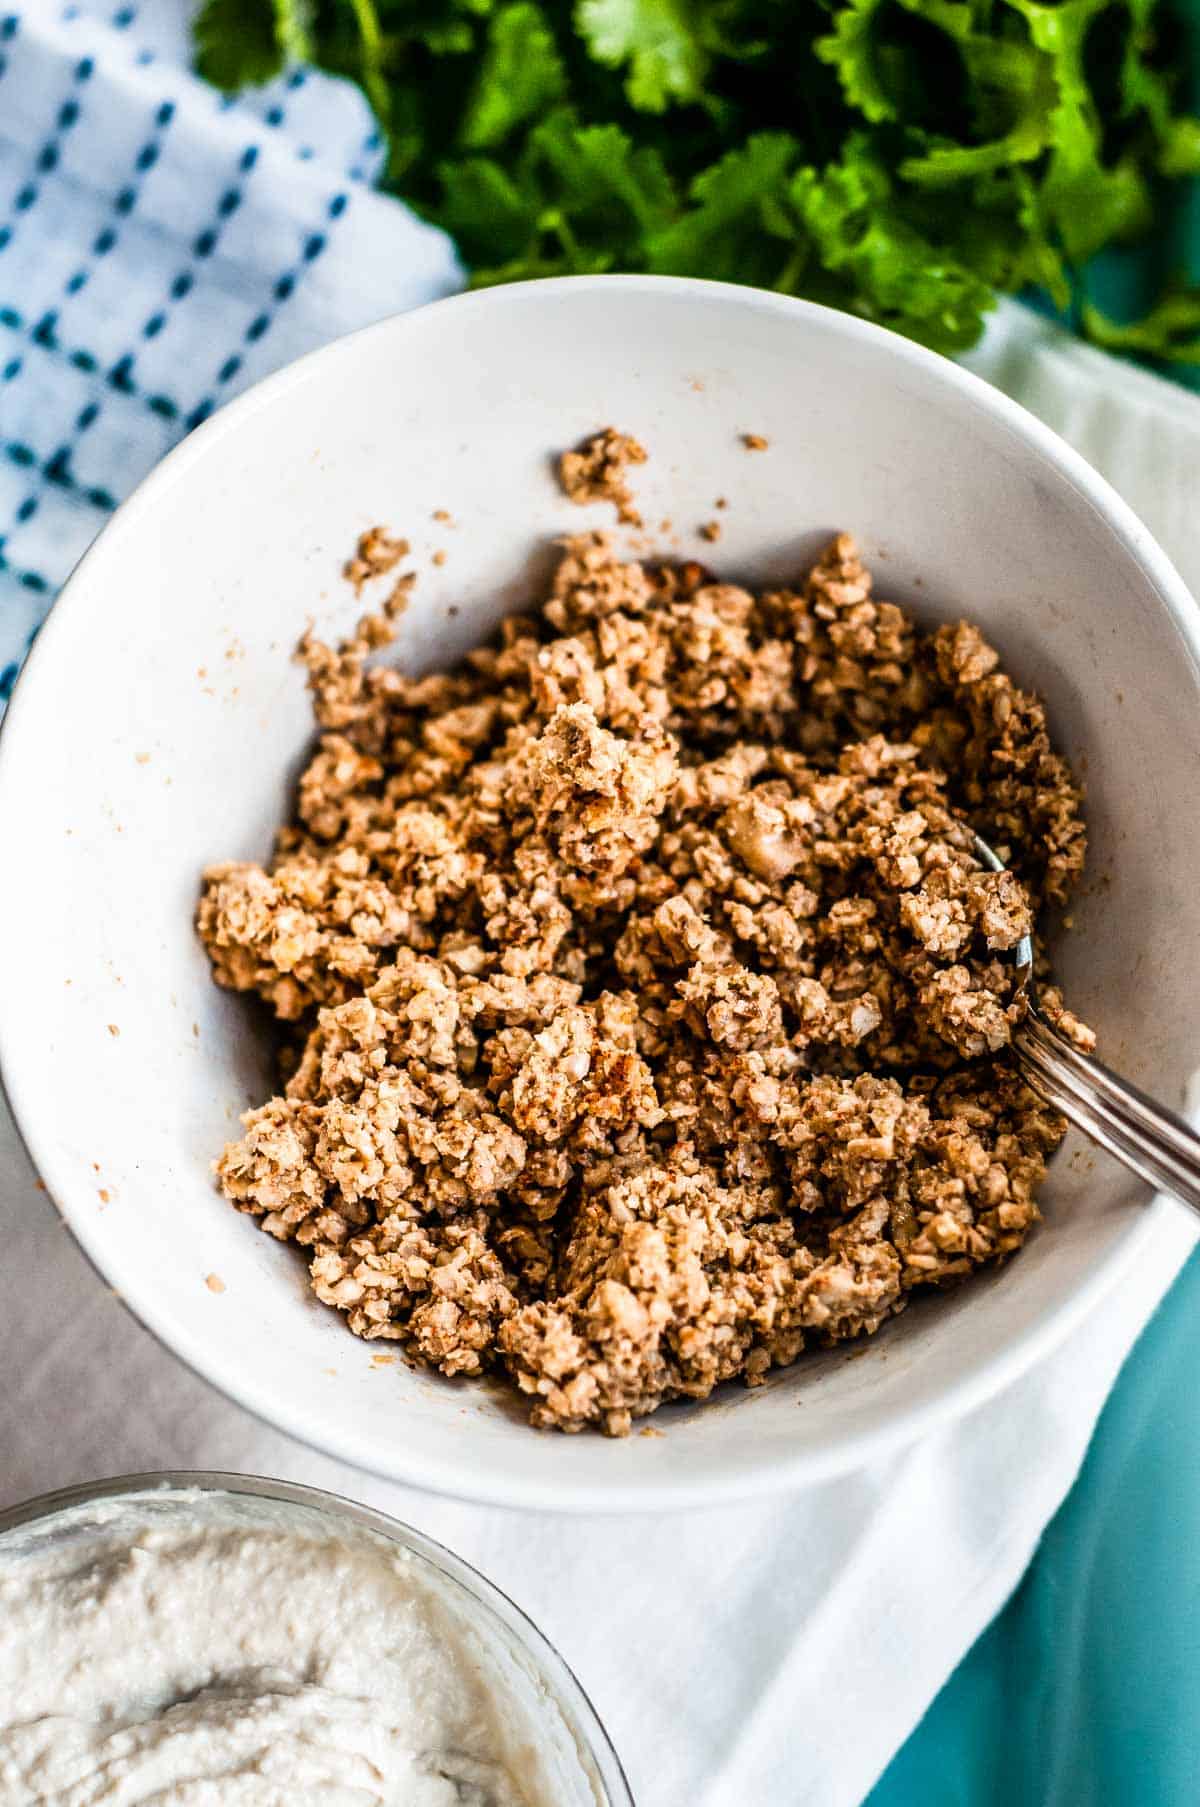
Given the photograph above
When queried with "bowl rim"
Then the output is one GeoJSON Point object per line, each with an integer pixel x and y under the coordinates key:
{"type": "Point", "coordinates": [563, 1685]}
{"type": "Point", "coordinates": [843, 1453]}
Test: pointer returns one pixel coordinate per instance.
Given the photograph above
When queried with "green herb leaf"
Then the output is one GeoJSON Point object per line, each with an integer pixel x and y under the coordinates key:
{"type": "Point", "coordinates": [520, 76]}
{"type": "Point", "coordinates": [243, 43]}
{"type": "Point", "coordinates": [738, 213]}
{"type": "Point", "coordinates": [895, 274]}
{"type": "Point", "coordinates": [597, 169]}
{"type": "Point", "coordinates": [1171, 330]}
{"type": "Point", "coordinates": [491, 216]}
{"type": "Point", "coordinates": [852, 50]}
{"type": "Point", "coordinates": [905, 159]}
{"type": "Point", "coordinates": [662, 41]}
{"type": "Point", "coordinates": [1179, 154]}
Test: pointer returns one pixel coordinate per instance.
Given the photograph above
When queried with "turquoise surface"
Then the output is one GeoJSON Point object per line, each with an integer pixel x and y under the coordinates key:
{"type": "Point", "coordinates": [1085, 1692]}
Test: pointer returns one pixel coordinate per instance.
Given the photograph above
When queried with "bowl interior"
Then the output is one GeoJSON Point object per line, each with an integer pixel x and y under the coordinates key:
{"type": "Point", "coordinates": [161, 722]}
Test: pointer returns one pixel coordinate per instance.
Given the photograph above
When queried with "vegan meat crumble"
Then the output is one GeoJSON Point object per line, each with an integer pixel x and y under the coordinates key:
{"type": "Point", "coordinates": [647, 1015]}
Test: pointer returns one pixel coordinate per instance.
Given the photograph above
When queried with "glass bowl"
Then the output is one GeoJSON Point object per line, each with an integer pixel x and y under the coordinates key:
{"type": "Point", "coordinates": [571, 1723]}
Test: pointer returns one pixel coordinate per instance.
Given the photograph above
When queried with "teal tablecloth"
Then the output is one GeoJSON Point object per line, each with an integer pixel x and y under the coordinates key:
{"type": "Point", "coordinates": [1085, 1692]}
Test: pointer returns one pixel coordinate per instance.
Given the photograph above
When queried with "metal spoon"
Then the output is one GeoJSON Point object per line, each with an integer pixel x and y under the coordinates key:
{"type": "Point", "coordinates": [1154, 1142]}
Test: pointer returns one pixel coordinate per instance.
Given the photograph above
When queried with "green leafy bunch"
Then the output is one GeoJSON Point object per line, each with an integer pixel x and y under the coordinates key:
{"type": "Point", "coordinates": [903, 159]}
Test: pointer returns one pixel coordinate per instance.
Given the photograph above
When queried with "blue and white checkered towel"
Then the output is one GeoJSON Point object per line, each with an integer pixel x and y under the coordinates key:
{"type": "Point", "coordinates": [161, 248]}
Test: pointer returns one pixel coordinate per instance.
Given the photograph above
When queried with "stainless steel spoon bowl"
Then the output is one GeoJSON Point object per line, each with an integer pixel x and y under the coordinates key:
{"type": "Point", "coordinates": [1153, 1141]}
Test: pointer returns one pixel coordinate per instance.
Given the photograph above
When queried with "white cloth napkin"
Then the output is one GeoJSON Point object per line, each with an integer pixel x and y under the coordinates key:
{"type": "Point", "coordinates": [775, 1654]}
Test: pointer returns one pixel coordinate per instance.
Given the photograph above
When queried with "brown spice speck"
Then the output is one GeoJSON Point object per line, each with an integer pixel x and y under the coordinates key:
{"type": "Point", "coordinates": [754, 442]}
{"type": "Point", "coordinates": [214, 1283]}
{"type": "Point", "coordinates": [711, 531]}
{"type": "Point", "coordinates": [103, 1196]}
{"type": "Point", "coordinates": [113, 1030]}
{"type": "Point", "coordinates": [378, 552]}
{"type": "Point", "coordinates": [398, 596]}
{"type": "Point", "coordinates": [595, 472]}
{"type": "Point", "coordinates": [439, 557]}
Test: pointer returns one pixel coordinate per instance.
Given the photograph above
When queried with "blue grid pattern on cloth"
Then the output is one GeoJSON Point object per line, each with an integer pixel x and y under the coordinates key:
{"type": "Point", "coordinates": [161, 248]}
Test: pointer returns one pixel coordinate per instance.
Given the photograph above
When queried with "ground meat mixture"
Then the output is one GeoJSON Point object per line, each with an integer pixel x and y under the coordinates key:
{"type": "Point", "coordinates": [377, 552]}
{"type": "Point", "coordinates": [596, 472]}
{"type": "Point", "coordinates": [645, 1012]}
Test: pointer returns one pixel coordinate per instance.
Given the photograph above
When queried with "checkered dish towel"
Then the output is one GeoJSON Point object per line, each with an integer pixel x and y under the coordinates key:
{"type": "Point", "coordinates": [162, 248]}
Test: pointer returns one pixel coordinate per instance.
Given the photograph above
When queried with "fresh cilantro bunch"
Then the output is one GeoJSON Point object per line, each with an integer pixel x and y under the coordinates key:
{"type": "Point", "coordinates": [903, 159]}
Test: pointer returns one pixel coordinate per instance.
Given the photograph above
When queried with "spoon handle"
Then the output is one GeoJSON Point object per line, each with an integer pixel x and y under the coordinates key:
{"type": "Point", "coordinates": [1154, 1142]}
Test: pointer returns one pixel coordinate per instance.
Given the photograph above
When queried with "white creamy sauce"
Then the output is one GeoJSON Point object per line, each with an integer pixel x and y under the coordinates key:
{"type": "Point", "coordinates": [240, 1654]}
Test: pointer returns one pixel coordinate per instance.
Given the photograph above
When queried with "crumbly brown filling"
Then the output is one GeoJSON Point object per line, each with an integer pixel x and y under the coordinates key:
{"type": "Point", "coordinates": [596, 472]}
{"type": "Point", "coordinates": [647, 1012]}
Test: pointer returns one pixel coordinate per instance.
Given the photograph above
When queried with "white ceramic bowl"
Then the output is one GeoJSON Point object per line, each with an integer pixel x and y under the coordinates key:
{"type": "Point", "coordinates": [159, 724]}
